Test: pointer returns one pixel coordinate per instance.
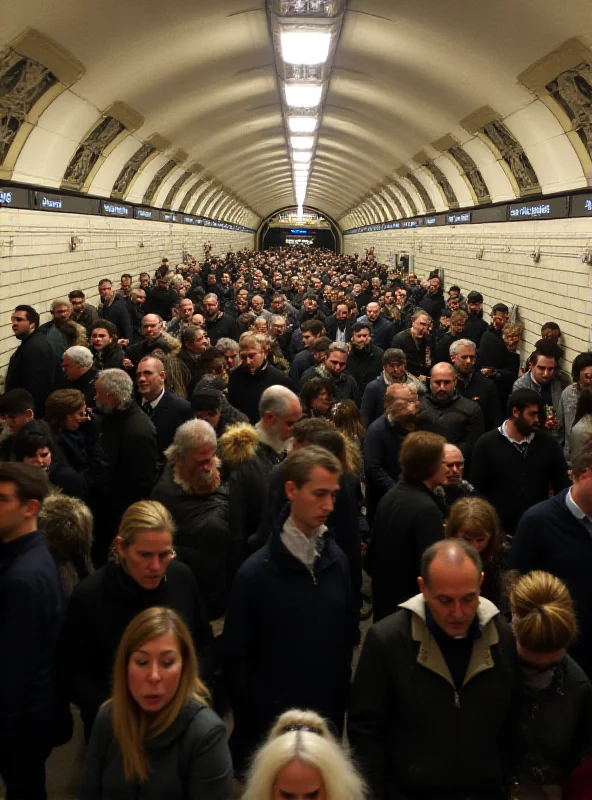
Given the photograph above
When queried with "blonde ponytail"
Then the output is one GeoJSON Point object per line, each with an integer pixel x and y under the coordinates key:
{"type": "Point", "coordinates": [543, 615]}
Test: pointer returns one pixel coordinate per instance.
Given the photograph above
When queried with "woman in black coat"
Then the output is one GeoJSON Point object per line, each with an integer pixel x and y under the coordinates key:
{"type": "Point", "coordinates": [157, 736]}
{"type": "Point", "coordinates": [142, 574]}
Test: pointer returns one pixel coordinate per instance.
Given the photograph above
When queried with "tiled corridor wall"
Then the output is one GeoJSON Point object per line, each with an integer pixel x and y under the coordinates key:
{"type": "Point", "coordinates": [37, 265]}
{"type": "Point", "coordinates": [497, 260]}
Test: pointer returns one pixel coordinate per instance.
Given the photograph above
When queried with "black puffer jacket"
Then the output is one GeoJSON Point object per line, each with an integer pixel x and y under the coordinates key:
{"type": "Point", "coordinates": [203, 540]}
{"type": "Point", "coordinates": [461, 420]}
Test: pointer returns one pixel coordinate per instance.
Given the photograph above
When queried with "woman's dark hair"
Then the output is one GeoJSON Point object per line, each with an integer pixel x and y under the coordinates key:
{"type": "Point", "coordinates": [61, 403]}
{"type": "Point", "coordinates": [579, 363]}
{"type": "Point", "coordinates": [312, 389]}
{"type": "Point", "coordinates": [584, 406]}
{"type": "Point", "coordinates": [30, 438]}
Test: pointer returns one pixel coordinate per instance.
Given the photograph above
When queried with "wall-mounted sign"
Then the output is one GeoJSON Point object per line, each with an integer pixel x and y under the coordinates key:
{"type": "Point", "coordinates": [65, 203]}
{"type": "Point", "coordinates": [14, 197]}
{"type": "Point", "coordinates": [409, 223]}
{"type": "Point", "coordinates": [114, 209]}
{"type": "Point", "coordinates": [299, 231]}
{"type": "Point", "coordinates": [494, 214]}
{"type": "Point", "coordinates": [189, 220]}
{"type": "Point", "coordinates": [438, 219]}
{"type": "Point", "coordinates": [581, 205]}
{"type": "Point", "coordinates": [143, 212]}
{"type": "Point", "coordinates": [458, 218]}
{"type": "Point", "coordinates": [169, 216]}
{"type": "Point", "coordinates": [551, 208]}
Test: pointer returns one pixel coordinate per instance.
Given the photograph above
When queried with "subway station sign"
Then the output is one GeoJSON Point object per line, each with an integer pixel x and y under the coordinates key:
{"type": "Point", "coordinates": [39, 199]}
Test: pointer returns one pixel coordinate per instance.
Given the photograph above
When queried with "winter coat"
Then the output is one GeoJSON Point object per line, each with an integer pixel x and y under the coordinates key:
{"type": "Point", "coordinates": [566, 413]}
{"type": "Point", "coordinates": [203, 539]}
{"type": "Point", "coordinates": [580, 434]}
{"type": "Point", "coordinates": [364, 365]}
{"type": "Point", "coordinates": [161, 301]}
{"type": "Point", "coordinates": [555, 727]}
{"type": "Point", "coordinates": [526, 382]}
{"type": "Point", "coordinates": [301, 363]}
{"type": "Point", "coordinates": [246, 466]}
{"type": "Point", "coordinates": [409, 519]}
{"type": "Point", "coordinates": [475, 327]}
{"type": "Point", "coordinates": [170, 413]}
{"type": "Point", "coordinates": [109, 358]}
{"type": "Point", "coordinates": [434, 305]}
{"type": "Point", "coordinates": [551, 539]}
{"type": "Point", "coordinates": [85, 384]}
{"type": "Point", "coordinates": [415, 350]}
{"type": "Point", "coordinates": [412, 732]}
{"type": "Point", "coordinates": [118, 314]}
{"type": "Point", "coordinates": [87, 318]}
{"type": "Point", "coordinates": [245, 389]}
{"type": "Point", "coordinates": [381, 456]}
{"type": "Point", "coordinates": [492, 349]}
{"type": "Point", "coordinates": [343, 522]}
{"type": "Point", "coordinates": [382, 331]}
{"type": "Point", "coordinates": [482, 391]}
{"type": "Point", "coordinates": [32, 367]}
{"type": "Point", "coordinates": [511, 482]}
{"type": "Point", "coordinates": [100, 608]}
{"type": "Point", "coordinates": [189, 760]}
{"type": "Point", "coordinates": [372, 405]}
{"type": "Point", "coordinates": [280, 615]}
{"type": "Point", "coordinates": [31, 613]}
{"type": "Point", "coordinates": [224, 327]}
{"type": "Point", "coordinates": [460, 419]}
{"type": "Point", "coordinates": [344, 387]}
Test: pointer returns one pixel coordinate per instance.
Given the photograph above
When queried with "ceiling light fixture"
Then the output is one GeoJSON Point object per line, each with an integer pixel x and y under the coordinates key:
{"type": "Point", "coordinates": [302, 142]}
{"type": "Point", "coordinates": [302, 124]}
{"type": "Point", "coordinates": [305, 47]}
{"type": "Point", "coordinates": [301, 156]}
{"type": "Point", "coordinates": [303, 95]}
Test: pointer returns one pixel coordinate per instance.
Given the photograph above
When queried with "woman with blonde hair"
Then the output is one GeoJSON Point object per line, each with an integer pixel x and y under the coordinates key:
{"type": "Point", "coordinates": [301, 759]}
{"type": "Point", "coordinates": [556, 705]}
{"type": "Point", "coordinates": [143, 573]}
{"type": "Point", "coordinates": [157, 737]}
{"type": "Point", "coordinates": [475, 520]}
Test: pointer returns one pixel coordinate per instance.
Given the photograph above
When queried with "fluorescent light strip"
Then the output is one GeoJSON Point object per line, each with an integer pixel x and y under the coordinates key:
{"type": "Point", "coordinates": [302, 124]}
{"type": "Point", "coordinates": [305, 47]}
{"type": "Point", "coordinates": [303, 95]}
{"type": "Point", "coordinates": [302, 142]}
{"type": "Point", "coordinates": [301, 157]}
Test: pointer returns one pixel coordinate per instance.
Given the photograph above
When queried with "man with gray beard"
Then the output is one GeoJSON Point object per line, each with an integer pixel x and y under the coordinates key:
{"type": "Point", "coordinates": [192, 491]}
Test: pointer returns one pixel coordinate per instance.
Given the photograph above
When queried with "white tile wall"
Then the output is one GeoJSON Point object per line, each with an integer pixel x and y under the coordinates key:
{"type": "Point", "coordinates": [558, 288]}
{"type": "Point", "coordinates": [36, 265]}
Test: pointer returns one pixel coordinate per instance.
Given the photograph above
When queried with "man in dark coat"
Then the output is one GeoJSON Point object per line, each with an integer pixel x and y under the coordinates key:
{"type": "Point", "coordinates": [190, 488]}
{"type": "Point", "coordinates": [101, 607]}
{"type": "Point", "coordinates": [78, 372]}
{"type": "Point", "coordinates": [433, 708]}
{"type": "Point", "coordinates": [394, 363]}
{"type": "Point", "coordinates": [247, 383]}
{"type": "Point", "coordinates": [492, 350]}
{"type": "Point", "coordinates": [32, 365]}
{"type": "Point", "coordinates": [338, 325]}
{"type": "Point", "coordinates": [433, 302]}
{"type": "Point", "coordinates": [364, 362]}
{"type": "Point", "coordinates": [219, 325]}
{"type": "Point", "coordinates": [114, 310]}
{"type": "Point", "coordinates": [382, 328]}
{"type": "Point", "coordinates": [17, 409]}
{"type": "Point", "coordinates": [475, 325]}
{"type": "Point", "coordinates": [31, 611]}
{"type": "Point", "coordinates": [333, 368]}
{"type": "Point", "coordinates": [470, 383]}
{"type": "Point", "coordinates": [409, 518]}
{"type": "Point", "coordinates": [162, 299]}
{"type": "Point", "coordinates": [414, 342]}
{"type": "Point", "coordinates": [455, 332]}
{"type": "Point", "coordinates": [555, 536]}
{"type": "Point", "coordinates": [514, 465]}
{"type": "Point", "coordinates": [291, 599]}
{"type": "Point", "coordinates": [152, 336]}
{"type": "Point", "coordinates": [127, 438]}
{"type": "Point", "coordinates": [166, 410]}
{"type": "Point", "coordinates": [461, 420]}
{"type": "Point", "coordinates": [248, 454]}
{"type": "Point", "coordinates": [384, 438]}
{"type": "Point", "coordinates": [82, 312]}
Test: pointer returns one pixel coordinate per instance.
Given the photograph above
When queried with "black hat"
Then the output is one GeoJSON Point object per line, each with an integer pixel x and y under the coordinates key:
{"type": "Point", "coordinates": [474, 297]}
{"type": "Point", "coordinates": [206, 400]}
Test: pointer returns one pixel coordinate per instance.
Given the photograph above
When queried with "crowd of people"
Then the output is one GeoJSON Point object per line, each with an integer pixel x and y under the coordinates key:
{"type": "Point", "coordinates": [201, 478]}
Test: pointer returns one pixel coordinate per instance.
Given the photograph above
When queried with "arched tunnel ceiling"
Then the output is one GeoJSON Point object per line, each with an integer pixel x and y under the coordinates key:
{"type": "Point", "coordinates": [434, 102]}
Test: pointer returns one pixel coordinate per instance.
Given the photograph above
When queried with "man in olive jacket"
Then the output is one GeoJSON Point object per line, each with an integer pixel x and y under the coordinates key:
{"type": "Point", "coordinates": [431, 712]}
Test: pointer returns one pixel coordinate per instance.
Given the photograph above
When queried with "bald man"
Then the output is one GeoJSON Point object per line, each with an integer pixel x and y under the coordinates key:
{"type": "Point", "coordinates": [433, 697]}
{"type": "Point", "coordinates": [455, 486]}
{"type": "Point", "coordinates": [460, 419]}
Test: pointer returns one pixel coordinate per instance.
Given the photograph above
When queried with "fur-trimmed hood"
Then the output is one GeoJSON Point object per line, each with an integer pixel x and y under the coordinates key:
{"type": "Point", "coordinates": [168, 344]}
{"type": "Point", "coordinates": [238, 444]}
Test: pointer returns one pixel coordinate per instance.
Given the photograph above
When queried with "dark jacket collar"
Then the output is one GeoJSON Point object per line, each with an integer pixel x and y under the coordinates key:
{"type": "Point", "coordinates": [282, 556]}
{"type": "Point", "coordinates": [20, 545]}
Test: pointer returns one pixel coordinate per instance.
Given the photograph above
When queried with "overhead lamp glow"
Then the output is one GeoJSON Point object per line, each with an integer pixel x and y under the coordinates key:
{"type": "Point", "coordinates": [302, 142]}
{"type": "Point", "coordinates": [305, 47]}
{"type": "Point", "coordinates": [303, 95]}
{"type": "Point", "coordinates": [302, 124]}
{"type": "Point", "coordinates": [301, 167]}
{"type": "Point", "coordinates": [301, 156]}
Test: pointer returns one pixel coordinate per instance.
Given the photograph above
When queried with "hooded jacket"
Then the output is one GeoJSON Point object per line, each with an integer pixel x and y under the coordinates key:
{"type": "Point", "coordinates": [246, 466]}
{"type": "Point", "coordinates": [412, 731]}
